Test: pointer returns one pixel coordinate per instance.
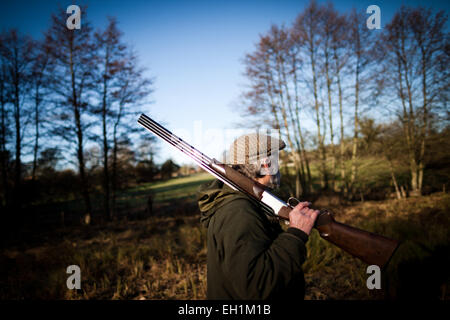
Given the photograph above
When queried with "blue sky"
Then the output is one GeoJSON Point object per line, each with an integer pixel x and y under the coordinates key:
{"type": "Point", "coordinates": [194, 49]}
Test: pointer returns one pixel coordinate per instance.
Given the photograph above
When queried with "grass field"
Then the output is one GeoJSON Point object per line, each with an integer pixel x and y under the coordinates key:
{"type": "Point", "coordinates": [164, 256]}
{"type": "Point", "coordinates": [180, 188]}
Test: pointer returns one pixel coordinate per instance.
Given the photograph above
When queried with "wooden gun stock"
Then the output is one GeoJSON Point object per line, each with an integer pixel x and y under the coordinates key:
{"type": "Point", "coordinates": [371, 248]}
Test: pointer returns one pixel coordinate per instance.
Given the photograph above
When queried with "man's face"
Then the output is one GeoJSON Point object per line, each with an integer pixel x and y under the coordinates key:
{"type": "Point", "coordinates": [271, 171]}
{"type": "Point", "coordinates": [269, 165]}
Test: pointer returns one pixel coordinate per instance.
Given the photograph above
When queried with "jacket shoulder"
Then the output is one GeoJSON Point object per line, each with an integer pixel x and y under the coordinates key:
{"type": "Point", "coordinates": [241, 213]}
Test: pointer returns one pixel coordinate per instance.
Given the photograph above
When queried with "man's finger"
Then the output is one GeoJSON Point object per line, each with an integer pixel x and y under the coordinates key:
{"type": "Point", "coordinates": [314, 214]}
{"type": "Point", "coordinates": [302, 205]}
{"type": "Point", "coordinates": [309, 212]}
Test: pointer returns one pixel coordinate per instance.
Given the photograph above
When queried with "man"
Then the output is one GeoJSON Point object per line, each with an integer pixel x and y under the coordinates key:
{"type": "Point", "coordinates": [249, 254]}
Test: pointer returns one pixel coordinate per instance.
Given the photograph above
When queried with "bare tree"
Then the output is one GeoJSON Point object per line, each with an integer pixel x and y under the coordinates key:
{"type": "Point", "coordinates": [110, 59]}
{"type": "Point", "coordinates": [16, 51]}
{"type": "Point", "coordinates": [72, 58]}
{"type": "Point", "coordinates": [131, 92]}
{"type": "Point", "coordinates": [361, 43]}
{"type": "Point", "coordinates": [433, 60]}
{"type": "Point", "coordinates": [414, 52]}
{"type": "Point", "coordinates": [329, 23]}
{"type": "Point", "coordinates": [391, 149]}
{"type": "Point", "coordinates": [327, 60]}
{"type": "Point", "coordinates": [339, 44]}
{"type": "Point", "coordinates": [38, 80]}
{"type": "Point", "coordinates": [307, 29]}
{"type": "Point", "coordinates": [5, 131]}
{"type": "Point", "coordinates": [280, 48]}
{"type": "Point", "coordinates": [270, 71]}
{"type": "Point", "coordinates": [296, 63]}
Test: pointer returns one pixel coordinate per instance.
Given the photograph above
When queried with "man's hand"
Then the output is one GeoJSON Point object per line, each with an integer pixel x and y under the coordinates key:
{"type": "Point", "coordinates": [302, 217]}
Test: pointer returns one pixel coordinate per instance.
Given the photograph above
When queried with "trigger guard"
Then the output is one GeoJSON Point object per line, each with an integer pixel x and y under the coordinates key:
{"type": "Point", "coordinates": [289, 202]}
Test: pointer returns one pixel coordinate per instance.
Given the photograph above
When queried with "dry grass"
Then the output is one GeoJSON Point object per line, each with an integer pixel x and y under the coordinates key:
{"type": "Point", "coordinates": [164, 257]}
{"type": "Point", "coordinates": [160, 258]}
{"type": "Point", "coordinates": [419, 268]}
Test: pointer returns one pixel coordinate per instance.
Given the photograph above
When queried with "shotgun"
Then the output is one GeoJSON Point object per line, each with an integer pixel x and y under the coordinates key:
{"type": "Point", "coordinates": [371, 248]}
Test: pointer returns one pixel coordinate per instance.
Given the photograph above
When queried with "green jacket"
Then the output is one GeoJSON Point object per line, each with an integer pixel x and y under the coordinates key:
{"type": "Point", "coordinates": [249, 255]}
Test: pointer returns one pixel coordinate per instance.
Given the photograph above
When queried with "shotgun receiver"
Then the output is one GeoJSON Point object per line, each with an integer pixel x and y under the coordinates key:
{"type": "Point", "coordinates": [371, 248]}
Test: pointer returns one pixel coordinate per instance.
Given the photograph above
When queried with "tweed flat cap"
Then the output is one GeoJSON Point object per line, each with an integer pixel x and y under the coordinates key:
{"type": "Point", "coordinates": [252, 147]}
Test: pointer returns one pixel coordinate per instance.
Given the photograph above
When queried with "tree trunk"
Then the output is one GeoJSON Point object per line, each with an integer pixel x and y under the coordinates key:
{"type": "Point", "coordinates": [114, 173]}
{"type": "Point", "coordinates": [298, 188]}
{"type": "Point", "coordinates": [341, 116]}
{"type": "Point", "coordinates": [114, 164]}
{"type": "Point", "coordinates": [308, 181]}
{"type": "Point", "coordinates": [3, 150]}
{"type": "Point", "coordinates": [394, 179]}
{"type": "Point", "coordinates": [36, 137]}
{"type": "Point", "coordinates": [407, 124]}
{"type": "Point", "coordinates": [355, 139]}
{"type": "Point", "coordinates": [300, 172]}
{"type": "Point", "coordinates": [105, 147]}
{"type": "Point", "coordinates": [355, 134]}
{"type": "Point", "coordinates": [424, 130]}
{"type": "Point", "coordinates": [411, 124]}
{"type": "Point", "coordinates": [18, 162]}
{"type": "Point", "coordinates": [324, 176]}
{"type": "Point", "coordinates": [330, 113]}
{"type": "Point", "coordinates": [270, 89]}
{"type": "Point", "coordinates": [79, 134]}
